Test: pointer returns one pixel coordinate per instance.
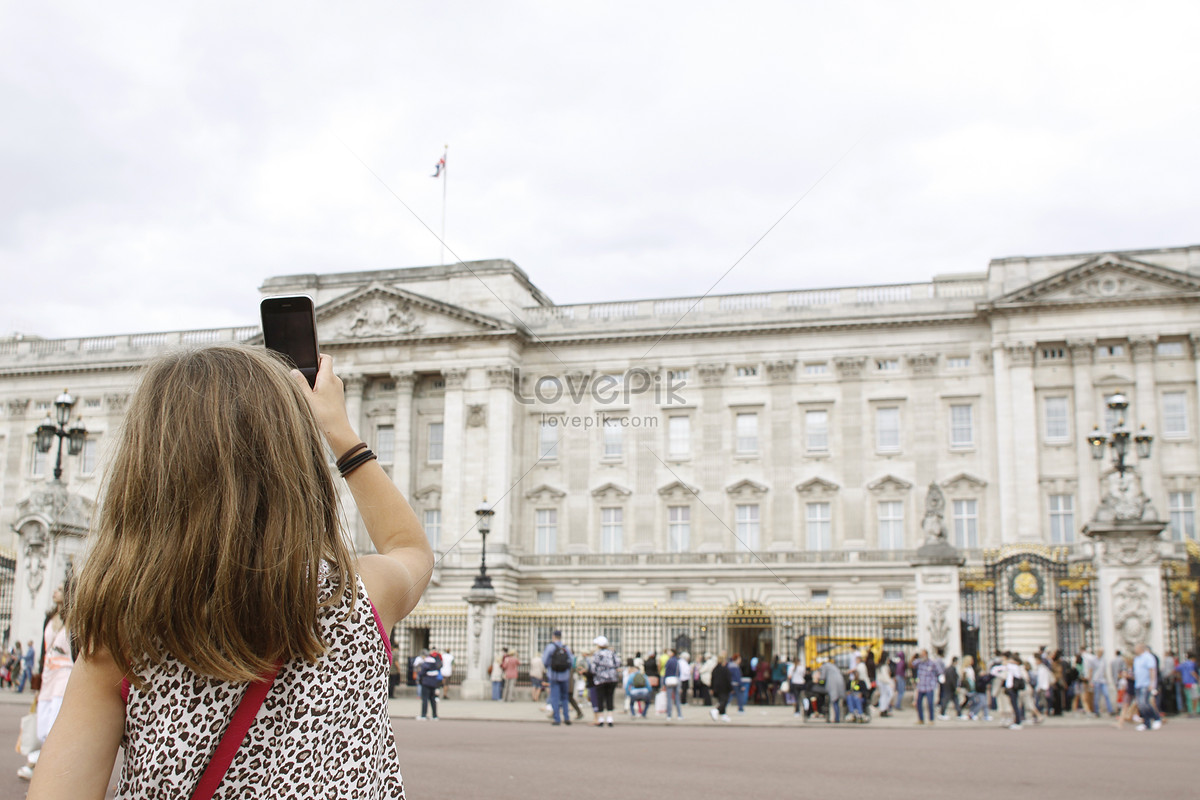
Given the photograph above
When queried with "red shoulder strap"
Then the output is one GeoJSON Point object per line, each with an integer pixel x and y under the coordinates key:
{"type": "Point", "coordinates": [235, 734]}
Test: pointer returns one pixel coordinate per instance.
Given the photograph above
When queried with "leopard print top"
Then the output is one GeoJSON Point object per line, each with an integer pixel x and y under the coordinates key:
{"type": "Point", "coordinates": [322, 732]}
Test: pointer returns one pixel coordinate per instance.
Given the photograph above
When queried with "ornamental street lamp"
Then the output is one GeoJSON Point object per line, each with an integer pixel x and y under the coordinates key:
{"type": "Point", "coordinates": [484, 513]}
{"type": "Point", "coordinates": [1119, 440]}
{"type": "Point", "coordinates": [76, 435]}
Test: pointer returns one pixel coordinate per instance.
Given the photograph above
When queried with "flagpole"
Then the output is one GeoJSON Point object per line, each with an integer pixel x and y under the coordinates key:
{"type": "Point", "coordinates": [445, 179]}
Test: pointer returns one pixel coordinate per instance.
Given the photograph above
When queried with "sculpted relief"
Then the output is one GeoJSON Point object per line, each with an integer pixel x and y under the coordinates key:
{"type": "Point", "coordinates": [1131, 612]}
{"type": "Point", "coordinates": [381, 317]}
{"type": "Point", "coordinates": [1124, 500]}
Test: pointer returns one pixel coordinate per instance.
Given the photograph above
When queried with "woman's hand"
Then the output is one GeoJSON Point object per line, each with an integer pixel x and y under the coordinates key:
{"type": "Point", "coordinates": [327, 398]}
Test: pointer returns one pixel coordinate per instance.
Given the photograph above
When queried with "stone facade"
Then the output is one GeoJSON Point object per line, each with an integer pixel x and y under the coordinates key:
{"type": "Point", "coordinates": [632, 450]}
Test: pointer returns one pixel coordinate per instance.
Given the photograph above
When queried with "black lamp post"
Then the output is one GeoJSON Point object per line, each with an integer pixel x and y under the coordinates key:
{"type": "Point", "coordinates": [484, 512]}
{"type": "Point", "coordinates": [50, 428]}
{"type": "Point", "coordinates": [1119, 440]}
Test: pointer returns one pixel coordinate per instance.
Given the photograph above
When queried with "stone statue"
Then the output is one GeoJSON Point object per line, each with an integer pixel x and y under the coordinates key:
{"type": "Point", "coordinates": [1124, 500]}
{"type": "Point", "coordinates": [934, 524]}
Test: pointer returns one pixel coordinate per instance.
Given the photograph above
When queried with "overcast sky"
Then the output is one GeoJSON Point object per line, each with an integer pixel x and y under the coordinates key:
{"type": "Point", "coordinates": [161, 160]}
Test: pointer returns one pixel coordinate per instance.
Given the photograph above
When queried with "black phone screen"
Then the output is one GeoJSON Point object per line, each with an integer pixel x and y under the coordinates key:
{"type": "Point", "coordinates": [289, 328]}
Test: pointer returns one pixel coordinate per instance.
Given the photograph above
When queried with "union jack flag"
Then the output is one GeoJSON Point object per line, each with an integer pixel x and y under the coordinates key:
{"type": "Point", "coordinates": [439, 167]}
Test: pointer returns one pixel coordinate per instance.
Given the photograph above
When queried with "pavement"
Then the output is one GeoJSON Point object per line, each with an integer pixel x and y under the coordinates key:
{"type": "Point", "coordinates": [526, 710]}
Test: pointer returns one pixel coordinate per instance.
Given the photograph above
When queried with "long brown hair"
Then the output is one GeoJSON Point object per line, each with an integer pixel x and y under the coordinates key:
{"type": "Point", "coordinates": [217, 510]}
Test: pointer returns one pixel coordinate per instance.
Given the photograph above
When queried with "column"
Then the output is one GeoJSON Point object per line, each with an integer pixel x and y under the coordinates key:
{"type": "Point", "coordinates": [481, 635]}
{"type": "Point", "coordinates": [1025, 445]}
{"type": "Point", "coordinates": [1006, 458]}
{"type": "Point", "coordinates": [457, 511]}
{"type": "Point", "coordinates": [714, 419]}
{"type": "Point", "coordinates": [353, 386]}
{"type": "Point", "coordinates": [938, 608]}
{"type": "Point", "coordinates": [779, 457]}
{"type": "Point", "coordinates": [1194, 411]}
{"type": "Point", "coordinates": [402, 463]}
{"type": "Point", "coordinates": [499, 478]}
{"type": "Point", "coordinates": [1129, 588]}
{"type": "Point", "coordinates": [1145, 412]}
{"type": "Point", "coordinates": [852, 416]}
{"type": "Point", "coordinates": [1088, 480]}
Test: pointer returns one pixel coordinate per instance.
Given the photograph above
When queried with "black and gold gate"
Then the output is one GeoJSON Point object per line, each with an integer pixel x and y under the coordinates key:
{"type": "Point", "coordinates": [1181, 600]}
{"type": "Point", "coordinates": [1027, 577]}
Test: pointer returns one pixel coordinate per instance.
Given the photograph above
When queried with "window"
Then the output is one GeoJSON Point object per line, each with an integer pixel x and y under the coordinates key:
{"type": "Point", "coordinates": [816, 369]}
{"type": "Point", "coordinates": [1112, 416]}
{"type": "Point", "coordinates": [962, 432]}
{"type": "Point", "coordinates": [958, 362]}
{"type": "Point", "coordinates": [92, 402]}
{"type": "Point", "coordinates": [1062, 518]}
{"type": "Point", "coordinates": [41, 405]}
{"type": "Point", "coordinates": [546, 531]}
{"type": "Point", "coordinates": [1111, 350]}
{"type": "Point", "coordinates": [37, 464]}
{"type": "Point", "coordinates": [675, 376]}
{"type": "Point", "coordinates": [747, 372]}
{"type": "Point", "coordinates": [612, 595]}
{"type": "Point", "coordinates": [747, 526]}
{"type": "Point", "coordinates": [612, 529]}
{"type": "Point", "coordinates": [966, 524]}
{"type": "Point", "coordinates": [891, 525]}
{"type": "Point", "coordinates": [893, 595]}
{"type": "Point", "coordinates": [820, 526]}
{"type": "Point", "coordinates": [545, 596]}
{"type": "Point", "coordinates": [1054, 353]}
{"type": "Point", "coordinates": [679, 437]}
{"type": "Point", "coordinates": [816, 431]}
{"type": "Point", "coordinates": [887, 429]}
{"type": "Point", "coordinates": [679, 595]}
{"type": "Point", "coordinates": [1175, 421]}
{"type": "Point", "coordinates": [1170, 348]}
{"type": "Point", "coordinates": [819, 595]}
{"type": "Point", "coordinates": [433, 526]}
{"type": "Point", "coordinates": [612, 438]}
{"type": "Point", "coordinates": [679, 528]}
{"type": "Point", "coordinates": [436, 430]}
{"type": "Point", "coordinates": [385, 443]}
{"type": "Point", "coordinates": [747, 433]}
{"type": "Point", "coordinates": [548, 441]}
{"type": "Point", "coordinates": [887, 364]}
{"type": "Point", "coordinates": [87, 457]}
{"type": "Point", "coordinates": [1183, 515]}
{"type": "Point", "coordinates": [1057, 422]}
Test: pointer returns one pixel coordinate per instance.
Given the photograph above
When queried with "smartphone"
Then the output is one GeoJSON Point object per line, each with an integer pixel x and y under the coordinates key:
{"type": "Point", "coordinates": [290, 328]}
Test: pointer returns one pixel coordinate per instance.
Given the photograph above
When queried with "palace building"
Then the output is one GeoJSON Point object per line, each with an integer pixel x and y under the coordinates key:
{"type": "Point", "coordinates": [745, 471]}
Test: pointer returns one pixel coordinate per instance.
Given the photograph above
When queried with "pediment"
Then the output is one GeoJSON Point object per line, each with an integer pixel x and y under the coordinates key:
{"type": "Point", "coordinates": [378, 311]}
{"type": "Point", "coordinates": [678, 489]}
{"type": "Point", "coordinates": [609, 489]}
{"type": "Point", "coordinates": [963, 481]}
{"type": "Point", "coordinates": [429, 493]}
{"type": "Point", "coordinates": [545, 492]}
{"type": "Point", "coordinates": [889, 483]}
{"type": "Point", "coordinates": [1108, 278]}
{"type": "Point", "coordinates": [817, 486]}
{"type": "Point", "coordinates": [746, 487]}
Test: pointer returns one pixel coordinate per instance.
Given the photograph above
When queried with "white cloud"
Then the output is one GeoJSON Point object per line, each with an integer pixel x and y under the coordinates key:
{"type": "Point", "coordinates": [160, 161]}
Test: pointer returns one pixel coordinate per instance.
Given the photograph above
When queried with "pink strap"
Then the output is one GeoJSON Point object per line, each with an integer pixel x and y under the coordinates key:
{"type": "Point", "coordinates": [387, 641]}
{"type": "Point", "coordinates": [235, 734]}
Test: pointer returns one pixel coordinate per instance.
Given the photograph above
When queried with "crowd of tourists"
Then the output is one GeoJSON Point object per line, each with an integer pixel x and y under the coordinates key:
{"type": "Point", "coordinates": [1135, 688]}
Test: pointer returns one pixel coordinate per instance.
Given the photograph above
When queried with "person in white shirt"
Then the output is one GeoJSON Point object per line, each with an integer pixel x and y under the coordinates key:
{"type": "Point", "coordinates": [685, 676]}
{"type": "Point", "coordinates": [887, 687]}
{"type": "Point", "coordinates": [447, 671]}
